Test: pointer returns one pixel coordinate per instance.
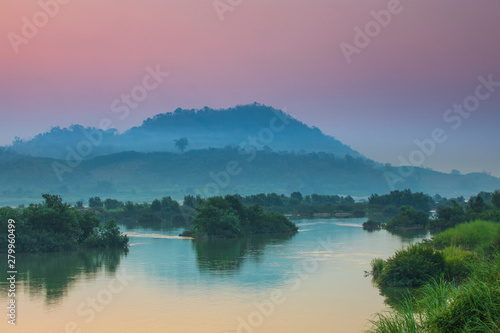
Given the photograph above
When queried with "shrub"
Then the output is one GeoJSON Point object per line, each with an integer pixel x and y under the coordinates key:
{"type": "Point", "coordinates": [457, 262]}
{"type": "Point", "coordinates": [372, 225]}
{"type": "Point", "coordinates": [378, 265]}
{"type": "Point", "coordinates": [107, 235]}
{"type": "Point", "coordinates": [413, 266]}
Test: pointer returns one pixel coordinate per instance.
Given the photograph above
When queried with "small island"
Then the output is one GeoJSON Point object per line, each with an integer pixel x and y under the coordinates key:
{"type": "Point", "coordinates": [227, 217]}
{"type": "Point", "coordinates": [55, 226]}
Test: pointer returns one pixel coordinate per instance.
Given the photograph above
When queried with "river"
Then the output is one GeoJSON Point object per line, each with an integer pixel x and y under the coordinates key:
{"type": "Point", "coordinates": [310, 282]}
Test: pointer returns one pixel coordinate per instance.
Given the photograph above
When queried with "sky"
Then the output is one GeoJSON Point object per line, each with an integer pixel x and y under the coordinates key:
{"type": "Point", "coordinates": [377, 75]}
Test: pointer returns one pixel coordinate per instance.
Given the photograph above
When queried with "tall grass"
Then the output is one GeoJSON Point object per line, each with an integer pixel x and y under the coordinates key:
{"type": "Point", "coordinates": [473, 236]}
{"type": "Point", "coordinates": [406, 320]}
{"type": "Point", "coordinates": [473, 305]}
{"type": "Point", "coordinates": [458, 263]}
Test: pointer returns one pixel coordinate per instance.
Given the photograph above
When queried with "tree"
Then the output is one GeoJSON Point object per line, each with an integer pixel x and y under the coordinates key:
{"type": "Point", "coordinates": [181, 144]}
{"type": "Point", "coordinates": [57, 226]}
{"type": "Point", "coordinates": [296, 195]}
{"type": "Point", "coordinates": [52, 201]}
{"type": "Point", "coordinates": [448, 217]}
{"type": "Point", "coordinates": [408, 218]}
{"type": "Point", "coordinates": [95, 202]}
{"type": "Point", "coordinates": [112, 204]}
{"type": "Point", "coordinates": [228, 218]}
{"type": "Point", "coordinates": [495, 199]}
{"type": "Point", "coordinates": [190, 201]}
{"type": "Point", "coordinates": [129, 206]}
{"type": "Point", "coordinates": [476, 204]}
{"type": "Point", "coordinates": [348, 200]}
{"type": "Point", "coordinates": [156, 205]}
{"type": "Point", "coordinates": [169, 204]}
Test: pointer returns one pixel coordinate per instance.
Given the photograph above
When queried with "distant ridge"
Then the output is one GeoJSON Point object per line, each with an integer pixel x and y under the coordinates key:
{"type": "Point", "coordinates": [253, 126]}
{"type": "Point", "coordinates": [145, 176]}
{"type": "Point", "coordinates": [247, 149]}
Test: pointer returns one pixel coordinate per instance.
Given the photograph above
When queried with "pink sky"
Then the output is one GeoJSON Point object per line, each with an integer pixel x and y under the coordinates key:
{"type": "Point", "coordinates": [276, 52]}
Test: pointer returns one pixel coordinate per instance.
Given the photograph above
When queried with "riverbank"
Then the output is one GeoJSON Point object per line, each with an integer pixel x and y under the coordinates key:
{"type": "Point", "coordinates": [458, 273]}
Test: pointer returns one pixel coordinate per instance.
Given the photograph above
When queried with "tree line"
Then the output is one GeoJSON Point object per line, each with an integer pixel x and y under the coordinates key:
{"type": "Point", "coordinates": [57, 226]}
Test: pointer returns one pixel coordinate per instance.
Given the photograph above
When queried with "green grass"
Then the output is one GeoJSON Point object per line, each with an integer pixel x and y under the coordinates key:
{"type": "Point", "coordinates": [472, 306]}
{"type": "Point", "coordinates": [477, 235]}
{"type": "Point", "coordinates": [406, 319]}
{"type": "Point", "coordinates": [458, 262]}
{"type": "Point", "coordinates": [444, 305]}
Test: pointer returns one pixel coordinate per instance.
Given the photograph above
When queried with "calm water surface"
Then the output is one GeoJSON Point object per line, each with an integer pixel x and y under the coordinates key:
{"type": "Point", "coordinates": [311, 282]}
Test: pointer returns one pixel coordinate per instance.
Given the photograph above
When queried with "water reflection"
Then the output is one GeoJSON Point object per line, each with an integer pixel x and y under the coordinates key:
{"type": "Point", "coordinates": [395, 297]}
{"type": "Point", "coordinates": [227, 255]}
{"type": "Point", "coordinates": [410, 235]}
{"type": "Point", "coordinates": [52, 275]}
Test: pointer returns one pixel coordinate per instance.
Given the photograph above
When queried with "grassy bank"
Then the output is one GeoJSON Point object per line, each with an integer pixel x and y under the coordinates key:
{"type": "Point", "coordinates": [459, 277]}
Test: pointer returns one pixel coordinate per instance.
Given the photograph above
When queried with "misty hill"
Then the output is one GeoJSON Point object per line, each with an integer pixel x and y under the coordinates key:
{"type": "Point", "coordinates": [252, 126]}
{"type": "Point", "coordinates": [145, 176]}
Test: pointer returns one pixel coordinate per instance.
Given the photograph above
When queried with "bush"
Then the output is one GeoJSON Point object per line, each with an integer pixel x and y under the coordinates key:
{"type": "Point", "coordinates": [378, 265]}
{"type": "Point", "coordinates": [458, 262]}
{"type": "Point", "coordinates": [372, 225]}
{"type": "Point", "coordinates": [107, 236]}
{"type": "Point", "coordinates": [413, 266]}
{"type": "Point", "coordinates": [474, 306]}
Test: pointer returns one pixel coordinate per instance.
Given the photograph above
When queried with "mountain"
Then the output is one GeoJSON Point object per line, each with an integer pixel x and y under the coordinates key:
{"type": "Point", "coordinates": [145, 176]}
{"type": "Point", "coordinates": [246, 149]}
{"type": "Point", "coordinates": [250, 127]}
